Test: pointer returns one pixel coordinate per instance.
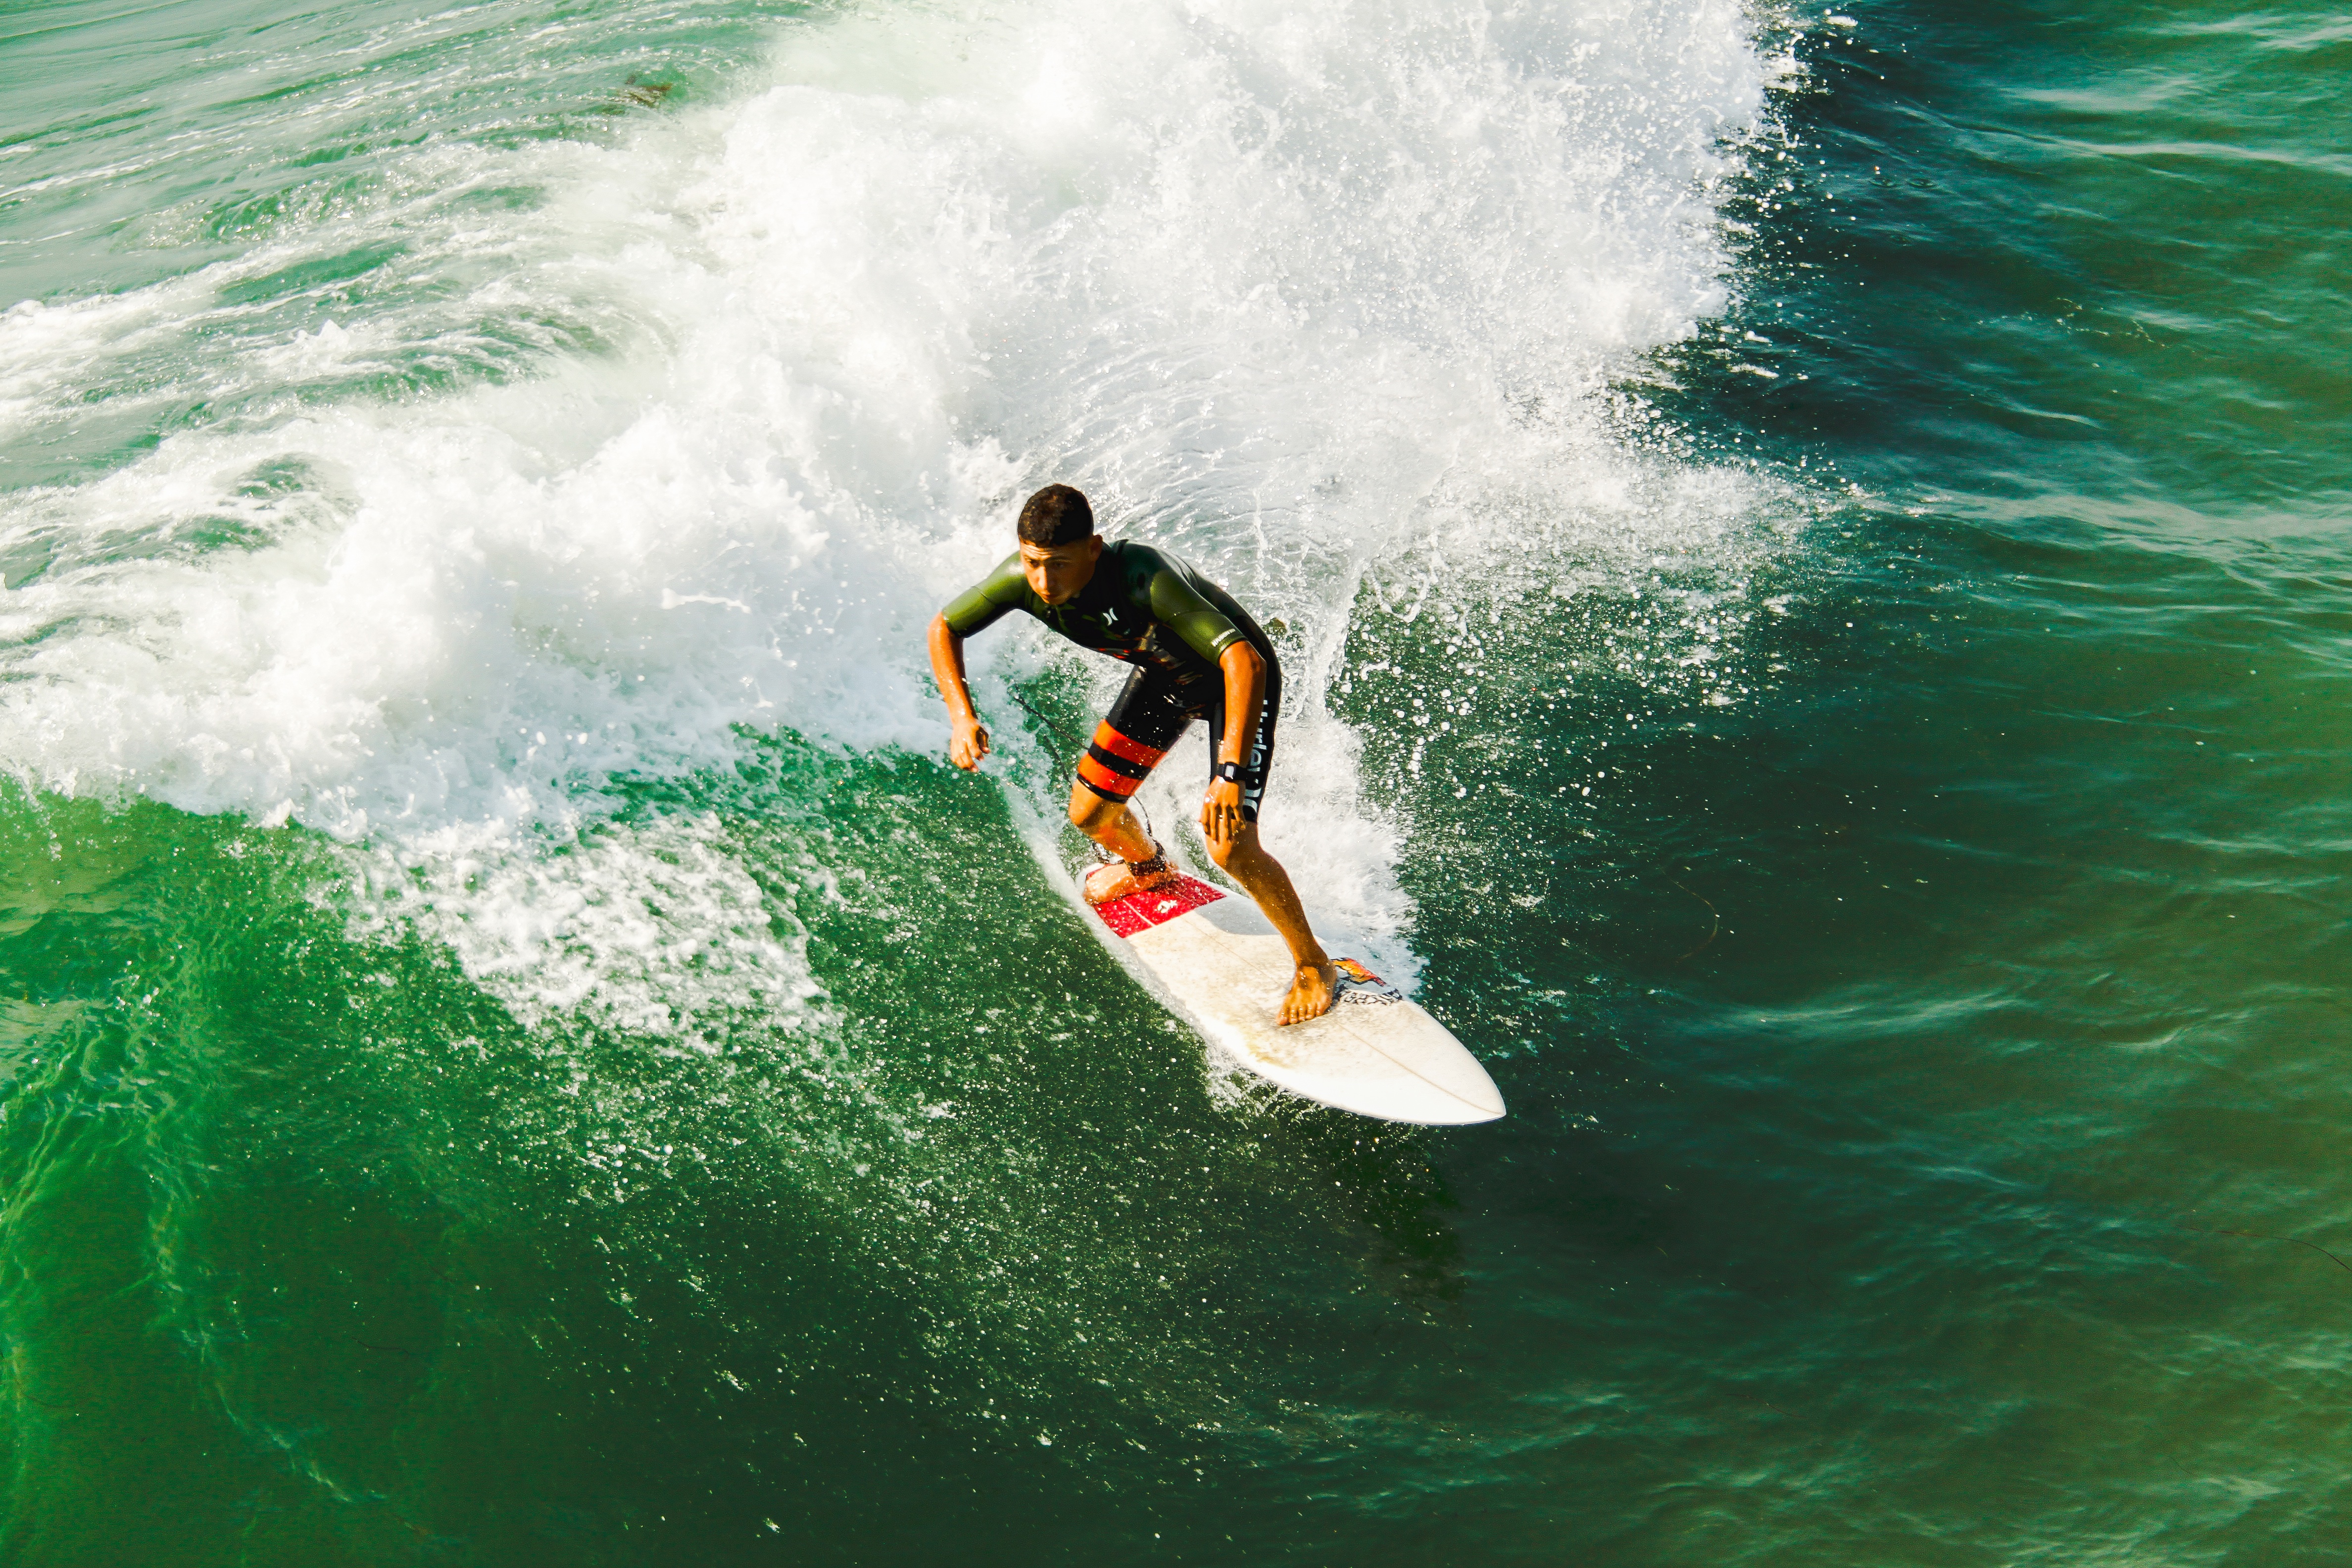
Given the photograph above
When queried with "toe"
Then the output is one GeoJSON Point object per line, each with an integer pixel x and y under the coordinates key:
{"type": "Point", "coordinates": [1310, 997]}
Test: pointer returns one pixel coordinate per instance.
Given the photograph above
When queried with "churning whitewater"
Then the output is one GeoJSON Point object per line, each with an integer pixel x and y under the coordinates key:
{"type": "Point", "coordinates": [1806, 551]}
{"type": "Point", "coordinates": [516, 467]}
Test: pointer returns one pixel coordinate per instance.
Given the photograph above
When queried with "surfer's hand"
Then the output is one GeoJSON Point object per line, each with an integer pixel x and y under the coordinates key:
{"type": "Point", "coordinates": [968, 744]}
{"type": "Point", "coordinates": [1221, 812]}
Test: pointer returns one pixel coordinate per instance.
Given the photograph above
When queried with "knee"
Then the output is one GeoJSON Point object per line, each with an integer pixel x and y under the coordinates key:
{"type": "Point", "coordinates": [1226, 853]}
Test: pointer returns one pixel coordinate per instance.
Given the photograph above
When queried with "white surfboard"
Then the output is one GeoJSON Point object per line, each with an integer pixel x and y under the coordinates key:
{"type": "Point", "coordinates": [1374, 1053]}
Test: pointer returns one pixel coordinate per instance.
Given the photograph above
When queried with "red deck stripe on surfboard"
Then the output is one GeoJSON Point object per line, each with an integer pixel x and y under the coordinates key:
{"type": "Point", "coordinates": [1103, 779]}
{"type": "Point", "coordinates": [1158, 906]}
{"type": "Point", "coordinates": [1119, 745]}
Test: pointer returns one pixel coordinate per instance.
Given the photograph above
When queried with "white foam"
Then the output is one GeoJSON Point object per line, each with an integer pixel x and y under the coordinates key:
{"type": "Point", "coordinates": [1292, 288]}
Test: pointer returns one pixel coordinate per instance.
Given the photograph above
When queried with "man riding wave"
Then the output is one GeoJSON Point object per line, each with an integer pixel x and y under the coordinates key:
{"type": "Point", "coordinates": [1197, 655]}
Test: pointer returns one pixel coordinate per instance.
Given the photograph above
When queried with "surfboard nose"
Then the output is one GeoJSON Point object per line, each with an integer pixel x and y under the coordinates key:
{"type": "Point", "coordinates": [1482, 1098]}
{"type": "Point", "coordinates": [1375, 1053]}
{"type": "Point", "coordinates": [1464, 1095]}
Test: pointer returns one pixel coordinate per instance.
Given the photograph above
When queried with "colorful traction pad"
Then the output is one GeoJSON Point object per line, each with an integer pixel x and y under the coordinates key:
{"type": "Point", "coordinates": [1140, 911]}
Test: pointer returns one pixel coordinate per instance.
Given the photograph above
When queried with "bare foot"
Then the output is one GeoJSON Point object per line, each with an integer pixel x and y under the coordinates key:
{"type": "Point", "coordinates": [1311, 993]}
{"type": "Point", "coordinates": [1116, 879]}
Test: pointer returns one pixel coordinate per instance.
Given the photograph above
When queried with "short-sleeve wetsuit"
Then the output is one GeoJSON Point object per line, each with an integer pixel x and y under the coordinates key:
{"type": "Point", "coordinates": [1146, 608]}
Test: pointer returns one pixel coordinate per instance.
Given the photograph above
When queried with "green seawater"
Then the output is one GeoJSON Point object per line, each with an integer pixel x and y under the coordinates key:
{"type": "Point", "coordinates": [1894, 866]}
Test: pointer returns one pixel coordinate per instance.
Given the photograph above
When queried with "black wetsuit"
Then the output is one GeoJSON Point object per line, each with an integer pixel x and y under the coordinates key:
{"type": "Point", "coordinates": [1149, 609]}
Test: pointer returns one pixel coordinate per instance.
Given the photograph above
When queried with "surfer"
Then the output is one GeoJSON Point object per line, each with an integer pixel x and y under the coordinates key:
{"type": "Point", "coordinates": [1197, 655]}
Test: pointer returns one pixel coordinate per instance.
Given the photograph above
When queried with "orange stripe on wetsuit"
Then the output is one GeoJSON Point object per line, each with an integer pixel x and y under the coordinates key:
{"type": "Point", "coordinates": [1114, 766]}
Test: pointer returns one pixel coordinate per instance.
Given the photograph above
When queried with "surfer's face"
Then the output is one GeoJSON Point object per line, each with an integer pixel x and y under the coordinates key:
{"type": "Point", "coordinates": [1058, 571]}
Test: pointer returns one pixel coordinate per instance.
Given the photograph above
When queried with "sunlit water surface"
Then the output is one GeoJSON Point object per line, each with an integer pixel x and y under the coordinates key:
{"type": "Point", "coordinates": [1808, 557]}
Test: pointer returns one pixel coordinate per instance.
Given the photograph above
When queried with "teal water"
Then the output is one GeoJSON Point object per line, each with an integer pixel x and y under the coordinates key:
{"type": "Point", "coordinates": [1810, 556]}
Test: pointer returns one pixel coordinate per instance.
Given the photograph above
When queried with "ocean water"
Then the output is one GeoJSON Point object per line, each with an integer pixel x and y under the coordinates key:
{"type": "Point", "coordinates": [1809, 555]}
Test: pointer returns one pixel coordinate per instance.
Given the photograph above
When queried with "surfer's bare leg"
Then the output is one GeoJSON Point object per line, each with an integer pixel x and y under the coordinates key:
{"type": "Point", "coordinates": [1244, 859]}
{"type": "Point", "coordinates": [1110, 824]}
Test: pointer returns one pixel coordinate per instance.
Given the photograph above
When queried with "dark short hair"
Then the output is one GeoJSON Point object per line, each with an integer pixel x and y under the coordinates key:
{"type": "Point", "coordinates": [1056, 515]}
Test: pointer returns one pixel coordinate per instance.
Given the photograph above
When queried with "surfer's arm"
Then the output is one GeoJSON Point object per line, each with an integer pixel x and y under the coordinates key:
{"type": "Point", "coordinates": [973, 611]}
{"type": "Point", "coordinates": [969, 741]}
{"type": "Point", "coordinates": [1176, 603]}
{"type": "Point", "coordinates": [1244, 670]}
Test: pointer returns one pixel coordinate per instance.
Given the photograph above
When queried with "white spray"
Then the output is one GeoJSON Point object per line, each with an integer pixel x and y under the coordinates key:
{"type": "Point", "coordinates": [1288, 287]}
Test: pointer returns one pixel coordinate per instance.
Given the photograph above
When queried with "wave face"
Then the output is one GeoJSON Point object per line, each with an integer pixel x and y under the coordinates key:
{"type": "Point", "coordinates": [1809, 556]}
{"type": "Point", "coordinates": [510, 468]}
{"type": "Point", "coordinates": [477, 485]}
